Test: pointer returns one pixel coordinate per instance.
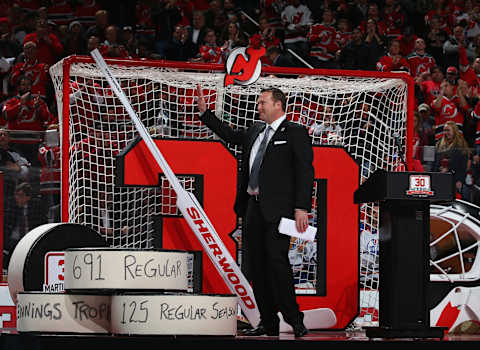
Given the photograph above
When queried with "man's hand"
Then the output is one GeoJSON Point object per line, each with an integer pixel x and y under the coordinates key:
{"type": "Point", "coordinates": [202, 105]}
{"type": "Point", "coordinates": [301, 220]}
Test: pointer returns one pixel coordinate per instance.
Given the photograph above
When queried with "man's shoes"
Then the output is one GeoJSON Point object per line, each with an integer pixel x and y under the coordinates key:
{"type": "Point", "coordinates": [261, 330]}
{"type": "Point", "coordinates": [299, 330]}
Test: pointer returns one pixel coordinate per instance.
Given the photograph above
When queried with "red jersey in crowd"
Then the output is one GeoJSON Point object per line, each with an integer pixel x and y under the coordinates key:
{"type": "Point", "coordinates": [394, 22]}
{"type": "Point", "coordinates": [407, 44]}
{"type": "Point", "coordinates": [431, 90]}
{"type": "Point", "coordinates": [466, 71]}
{"type": "Point", "coordinates": [47, 52]}
{"type": "Point", "coordinates": [37, 72]}
{"type": "Point", "coordinates": [343, 38]}
{"type": "Point", "coordinates": [211, 54]}
{"type": "Point", "coordinates": [420, 63]}
{"type": "Point", "coordinates": [446, 18]}
{"type": "Point", "coordinates": [476, 114]}
{"type": "Point", "coordinates": [449, 110]}
{"type": "Point", "coordinates": [323, 44]}
{"type": "Point", "coordinates": [32, 115]}
{"type": "Point", "coordinates": [386, 64]}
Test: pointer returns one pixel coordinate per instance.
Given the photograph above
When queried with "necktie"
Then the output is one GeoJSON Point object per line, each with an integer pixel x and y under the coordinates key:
{"type": "Point", "coordinates": [253, 180]}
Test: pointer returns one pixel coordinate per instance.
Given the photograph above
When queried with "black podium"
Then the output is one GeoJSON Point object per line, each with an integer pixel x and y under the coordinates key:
{"type": "Point", "coordinates": [404, 236]}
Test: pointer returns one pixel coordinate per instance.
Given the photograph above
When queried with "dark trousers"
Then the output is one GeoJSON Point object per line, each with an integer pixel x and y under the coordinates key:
{"type": "Point", "coordinates": [269, 269]}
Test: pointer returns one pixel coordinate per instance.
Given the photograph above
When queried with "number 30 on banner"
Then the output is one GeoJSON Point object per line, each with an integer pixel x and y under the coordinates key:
{"type": "Point", "coordinates": [215, 168]}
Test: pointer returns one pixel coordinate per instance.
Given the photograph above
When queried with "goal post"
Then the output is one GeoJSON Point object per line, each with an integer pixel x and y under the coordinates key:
{"type": "Point", "coordinates": [358, 111]}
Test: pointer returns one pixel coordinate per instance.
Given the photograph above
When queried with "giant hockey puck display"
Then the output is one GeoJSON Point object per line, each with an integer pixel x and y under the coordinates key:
{"type": "Point", "coordinates": [31, 264]}
{"type": "Point", "coordinates": [125, 269]}
{"type": "Point", "coordinates": [169, 314]}
{"type": "Point", "coordinates": [63, 313]}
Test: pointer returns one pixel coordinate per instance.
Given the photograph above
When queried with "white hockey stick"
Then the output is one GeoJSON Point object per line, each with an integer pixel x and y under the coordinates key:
{"type": "Point", "coordinates": [192, 211]}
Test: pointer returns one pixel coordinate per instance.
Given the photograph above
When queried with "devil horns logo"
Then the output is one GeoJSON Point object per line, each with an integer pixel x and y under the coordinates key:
{"type": "Point", "coordinates": [244, 66]}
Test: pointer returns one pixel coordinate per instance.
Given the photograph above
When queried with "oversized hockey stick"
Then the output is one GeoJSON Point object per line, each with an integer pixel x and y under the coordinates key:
{"type": "Point", "coordinates": [192, 211]}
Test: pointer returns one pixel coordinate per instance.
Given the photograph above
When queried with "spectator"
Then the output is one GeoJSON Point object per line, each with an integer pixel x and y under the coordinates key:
{"type": "Point", "coordinates": [393, 60]}
{"type": "Point", "coordinates": [419, 60]}
{"type": "Point", "coordinates": [430, 84]}
{"type": "Point", "coordinates": [374, 14]}
{"type": "Point", "coordinates": [233, 37]}
{"type": "Point", "coordinates": [28, 117]}
{"type": "Point", "coordinates": [359, 12]}
{"type": "Point", "coordinates": [12, 164]}
{"type": "Point", "coordinates": [266, 35]}
{"type": "Point", "coordinates": [344, 32]}
{"type": "Point", "coordinates": [33, 69]}
{"type": "Point", "coordinates": [231, 11]}
{"type": "Point", "coordinates": [469, 73]}
{"type": "Point", "coordinates": [278, 58]}
{"type": "Point", "coordinates": [129, 41]}
{"type": "Point", "coordinates": [101, 23]}
{"type": "Point", "coordinates": [198, 29]}
{"type": "Point", "coordinates": [356, 54]}
{"type": "Point", "coordinates": [420, 137]}
{"type": "Point", "coordinates": [21, 23]}
{"type": "Point", "coordinates": [9, 47]}
{"type": "Point", "coordinates": [93, 43]}
{"type": "Point", "coordinates": [165, 15]}
{"type": "Point", "coordinates": [451, 46]}
{"type": "Point", "coordinates": [448, 107]}
{"type": "Point", "coordinates": [435, 39]}
{"type": "Point", "coordinates": [50, 159]}
{"type": "Point", "coordinates": [394, 19]}
{"type": "Point", "coordinates": [296, 20]}
{"type": "Point", "coordinates": [440, 10]}
{"type": "Point", "coordinates": [22, 214]}
{"type": "Point", "coordinates": [451, 74]}
{"type": "Point", "coordinates": [328, 130]}
{"type": "Point", "coordinates": [427, 124]}
{"type": "Point", "coordinates": [214, 11]}
{"type": "Point", "coordinates": [407, 41]}
{"type": "Point", "coordinates": [272, 11]}
{"type": "Point", "coordinates": [210, 52]}
{"type": "Point", "coordinates": [372, 38]}
{"type": "Point", "coordinates": [76, 43]}
{"type": "Point", "coordinates": [143, 19]}
{"type": "Point", "coordinates": [472, 28]}
{"type": "Point", "coordinates": [451, 155]}
{"type": "Point", "coordinates": [23, 164]}
{"type": "Point", "coordinates": [179, 47]}
{"type": "Point", "coordinates": [323, 42]}
{"type": "Point", "coordinates": [111, 46]}
{"type": "Point", "coordinates": [49, 48]}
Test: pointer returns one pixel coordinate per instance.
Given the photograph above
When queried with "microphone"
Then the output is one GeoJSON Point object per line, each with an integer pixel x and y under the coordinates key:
{"type": "Point", "coordinates": [396, 137]}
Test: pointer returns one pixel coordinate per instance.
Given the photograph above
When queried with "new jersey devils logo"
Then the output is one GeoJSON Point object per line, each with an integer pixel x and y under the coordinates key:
{"type": "Point", "coordinates": [244, 66]}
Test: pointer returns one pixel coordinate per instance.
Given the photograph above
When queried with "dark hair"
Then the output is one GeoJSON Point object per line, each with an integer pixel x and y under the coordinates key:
{"type": "Point", "coordinates": [277, 95]}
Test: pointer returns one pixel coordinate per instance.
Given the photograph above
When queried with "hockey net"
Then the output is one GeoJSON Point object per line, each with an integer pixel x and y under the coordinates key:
{"type": "Point", "coordinates": [359, 111]}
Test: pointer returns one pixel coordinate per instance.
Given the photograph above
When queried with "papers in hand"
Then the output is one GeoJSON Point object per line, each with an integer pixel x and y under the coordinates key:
{"type": "Point", "coordinates": [288, 227]}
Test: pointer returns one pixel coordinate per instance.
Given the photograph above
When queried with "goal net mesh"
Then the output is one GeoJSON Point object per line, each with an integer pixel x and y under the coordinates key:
{"type": "Point", "coordinates": [356, 112]}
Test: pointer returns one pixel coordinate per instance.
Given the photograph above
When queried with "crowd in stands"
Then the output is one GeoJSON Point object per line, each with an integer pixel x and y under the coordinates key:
{"type": "Point", "coordinates": [436, 41]}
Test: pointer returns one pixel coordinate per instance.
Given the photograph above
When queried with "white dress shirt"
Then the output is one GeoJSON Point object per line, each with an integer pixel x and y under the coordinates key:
{"type": "Point", "coordinates": [256, 146]}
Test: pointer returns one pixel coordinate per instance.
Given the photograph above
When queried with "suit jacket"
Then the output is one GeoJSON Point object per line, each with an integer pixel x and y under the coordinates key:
{"type": "Point", "coordinates": [286, 173]}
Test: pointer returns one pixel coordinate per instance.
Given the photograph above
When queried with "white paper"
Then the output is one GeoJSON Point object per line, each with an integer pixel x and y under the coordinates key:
{"type": "Point", "coordinates": [288, 227]}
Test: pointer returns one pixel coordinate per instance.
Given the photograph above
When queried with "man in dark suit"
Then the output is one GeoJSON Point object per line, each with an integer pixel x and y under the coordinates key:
{"type": "Point", "coordinates": [281, 186]}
